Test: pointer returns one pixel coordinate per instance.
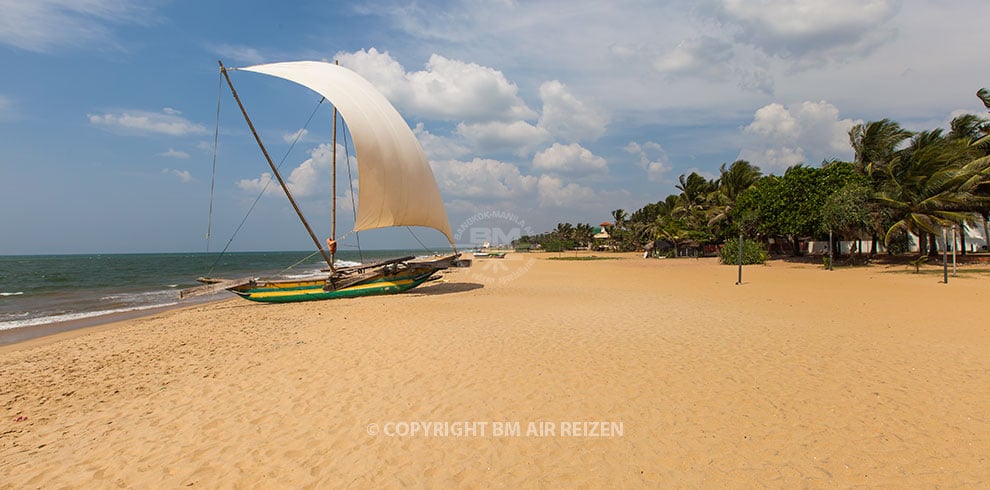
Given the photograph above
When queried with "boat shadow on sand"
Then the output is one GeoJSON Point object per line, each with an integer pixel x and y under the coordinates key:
{"type": "Point", "coordinates": [438, 288]}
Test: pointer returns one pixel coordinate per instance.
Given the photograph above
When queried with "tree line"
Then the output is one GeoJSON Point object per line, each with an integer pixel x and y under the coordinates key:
{"type": "Point", "coordinates": [899, 182]}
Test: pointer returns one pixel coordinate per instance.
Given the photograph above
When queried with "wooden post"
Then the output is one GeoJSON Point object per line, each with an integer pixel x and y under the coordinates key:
{"type": "Point", "coordinates": [271, 164]}
{"type": "Point", "coordinates": [831, 249]}
{"type": "Point", "coordinates": [945, 258]}
{"type": "Point", "coordinates": [954, 249]}
{"type": "Point", "coordinates": [739, 281]}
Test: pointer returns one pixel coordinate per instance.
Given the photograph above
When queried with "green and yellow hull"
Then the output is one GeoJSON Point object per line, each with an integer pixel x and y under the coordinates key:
{"type": "Point", "coordinates": [386, 277]}
{"type": "Point", "coordinates": [317, 289]}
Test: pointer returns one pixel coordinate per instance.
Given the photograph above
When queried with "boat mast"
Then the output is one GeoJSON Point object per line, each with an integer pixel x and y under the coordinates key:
{"type": "Point", "coordinates": [271, 164]}
{"type": "Point", "coordinates": [333, 179]}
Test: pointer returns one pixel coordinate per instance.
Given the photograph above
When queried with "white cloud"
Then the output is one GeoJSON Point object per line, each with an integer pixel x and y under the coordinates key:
{"type": "Point", "coordinates": [44, 25]}
{"type": "Point", "coordinates": [264, 183]}
{"type": "Point", "coordinates": [184, 176]}
{"type": "Point", "coordinates": [836, 30]}
{"type": "Point", "coordinates": [239, 54]}
{"type": "Point", "coordinates": [447, 89]}
{"type": "Point", "coordinates": [566, 117]}
{"type": "Point", "coordinates": [518, 137]}
{"type": "Point", "coordinates": [137, 121]}
{"type": "Point", "coordinates": [295, 136]}
{"type": "Point", "coordinates": [809, 132]}
{"type": "Point", "coordinates": [571, 159]}
{"type": "Point", "coordinates": [312, 174]}
{"type": "Point", "coordinates": [483, 179]}
{"type": "Point", "coordinates": [556, 194]}
{"type": "Point", "coordinates": [383, 71]}
{"type": "Point", "coordinates": [774, 121]}
{"type": "Point", "coordinates": [702, 55]}
{"type": "Point", "coordinates": [309, 178]}
{"type": "Point", "coordinates": [717, 61]}
{"type": "Point", "coordinates": [847, 51]}
{"type": "Point", "coordinates": [652, 158]}
{"type": "Point", "coordinates": [173, 153]}
{"type": "Point", "coordinates": [439, 147]}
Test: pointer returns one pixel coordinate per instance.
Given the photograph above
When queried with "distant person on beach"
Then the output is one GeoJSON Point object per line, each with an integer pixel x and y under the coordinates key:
{"type": "Point", "coordinates": [649, 248]}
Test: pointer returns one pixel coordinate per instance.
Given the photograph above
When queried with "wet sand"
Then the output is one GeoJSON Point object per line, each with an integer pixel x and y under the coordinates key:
{"type": "Point", "coordinates": [530, 372]}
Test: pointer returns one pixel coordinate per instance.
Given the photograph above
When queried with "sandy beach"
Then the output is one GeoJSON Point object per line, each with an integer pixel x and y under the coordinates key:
{"type": "Point", "coordinates": [525, 372]}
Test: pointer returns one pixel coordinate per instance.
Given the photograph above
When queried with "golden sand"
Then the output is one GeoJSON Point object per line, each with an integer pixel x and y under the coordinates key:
{"type": "Point", "coordinates": [662, 372]}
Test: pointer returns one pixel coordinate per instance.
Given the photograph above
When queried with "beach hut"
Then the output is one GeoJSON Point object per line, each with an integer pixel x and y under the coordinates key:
{"type": "Point", "coordinates": [601, 236]}
{"type": "Point", "coordinates": [689, 248]}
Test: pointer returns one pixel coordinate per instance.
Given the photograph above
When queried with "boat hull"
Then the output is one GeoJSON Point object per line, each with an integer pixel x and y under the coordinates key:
{"type": "Point", "coordinates": [385, 277]}
{"type": "Point", "coordinates": [315, 290]}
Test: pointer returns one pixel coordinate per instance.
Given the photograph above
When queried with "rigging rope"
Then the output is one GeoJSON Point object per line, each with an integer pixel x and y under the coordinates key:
{"type": "Point", "coordinates": [431, 252]}
{"type": "Point", "coordinates": [350, 182]}
{"type": "Point", "coordinates": [265, 188]}
{"type": "Point", "coordinates": [213, 177]}
{"type": "Point", "coordinates": [287, 269]}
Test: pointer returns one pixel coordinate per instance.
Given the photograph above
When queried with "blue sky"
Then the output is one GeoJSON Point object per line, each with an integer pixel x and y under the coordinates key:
{"type": "Point", "coordinates": [550, 110]}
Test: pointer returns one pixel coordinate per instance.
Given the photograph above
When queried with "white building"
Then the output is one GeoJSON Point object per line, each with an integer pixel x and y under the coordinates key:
{"type": "Point", "coordinates": [975, 242]}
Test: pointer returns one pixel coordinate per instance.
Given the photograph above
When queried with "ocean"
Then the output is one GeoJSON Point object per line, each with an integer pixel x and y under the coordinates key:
{"type": "Point", "coordinates": [45, 289]}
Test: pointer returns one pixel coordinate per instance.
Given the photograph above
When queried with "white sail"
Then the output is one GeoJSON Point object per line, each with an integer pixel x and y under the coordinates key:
{"type": "Point", "coordinates": [397, 187]}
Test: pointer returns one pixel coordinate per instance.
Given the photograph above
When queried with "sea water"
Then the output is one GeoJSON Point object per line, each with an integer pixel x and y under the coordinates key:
{"type": "Point", "coordinates": [43, 289]}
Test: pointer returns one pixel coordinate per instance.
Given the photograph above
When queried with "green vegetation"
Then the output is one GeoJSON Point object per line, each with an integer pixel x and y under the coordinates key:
{"type": "Point", "coordinates": [899, 182]}
{"type": "Point", "coordinates": [753, 253]}
{"type": "Point", "coordinates": [565, 237]}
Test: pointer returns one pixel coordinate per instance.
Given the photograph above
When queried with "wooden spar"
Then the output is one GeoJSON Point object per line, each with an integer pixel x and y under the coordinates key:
{"type": "Point", "coordinates": [362, 267]}
{"type": "Point", "coordinates": [333, 180]}
{"type": "Point", "coordinates": [271, 164]}
{"type": "Point", "coordinates": [336, 283]}
{"type": "Point", "coordinates": [214, 287]}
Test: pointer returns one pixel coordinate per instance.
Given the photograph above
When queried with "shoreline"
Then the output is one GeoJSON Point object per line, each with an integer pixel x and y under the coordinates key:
{"type": "Point", "coordinates": [21, 335]}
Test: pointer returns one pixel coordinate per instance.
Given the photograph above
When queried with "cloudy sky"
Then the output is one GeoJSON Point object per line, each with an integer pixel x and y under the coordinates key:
{"type": "Point", "coordinates": [550, 110]}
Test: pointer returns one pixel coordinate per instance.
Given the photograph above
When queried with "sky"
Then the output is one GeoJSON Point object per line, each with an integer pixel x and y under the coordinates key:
{"type": "Point", "coordinates": [541, 111]}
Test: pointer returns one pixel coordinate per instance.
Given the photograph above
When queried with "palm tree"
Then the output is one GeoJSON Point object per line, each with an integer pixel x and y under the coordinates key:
{"type": "Point", "coordinates": [693, 205]}
{"type": "Point", "coordinates": [617, 233]}
{"type": "Point", "coordinates": [968, 127]}
{"type": "Point", "coordinates": [982, 146]}
{"type": "Point", "coordinates": [654, 229]}
{"type": "Point", "coordinates": [971, 129]}
{"type": "Point", "coordinates": [929, 186]}
{"type": "Point", "coordinates": [583, 234]}
{"type": "Point", "coordinates": [619, 217]}
{"type": "Point", "coordinates": [668, 228]}
{"type": "Point", "coordinates": [564, 231]}
{"type": "Point", "coordinates": [732, 182]}
{"type": "Point", "coordinates": [875, 144]}
{"type": "Point", "coordinates": [695, 191]}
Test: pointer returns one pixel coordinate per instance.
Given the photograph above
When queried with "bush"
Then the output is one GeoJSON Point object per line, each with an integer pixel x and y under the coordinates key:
{"type": "Point", "coordinates": [753, 252]}
{"type": "Point", "coordinates": [899, 244]}
{"type": "Point", "coordinates": [556, 245]}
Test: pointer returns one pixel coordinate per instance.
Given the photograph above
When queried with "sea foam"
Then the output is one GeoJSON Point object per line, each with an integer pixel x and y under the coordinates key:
{"type": "Point", "coordinates": [68, 317]}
